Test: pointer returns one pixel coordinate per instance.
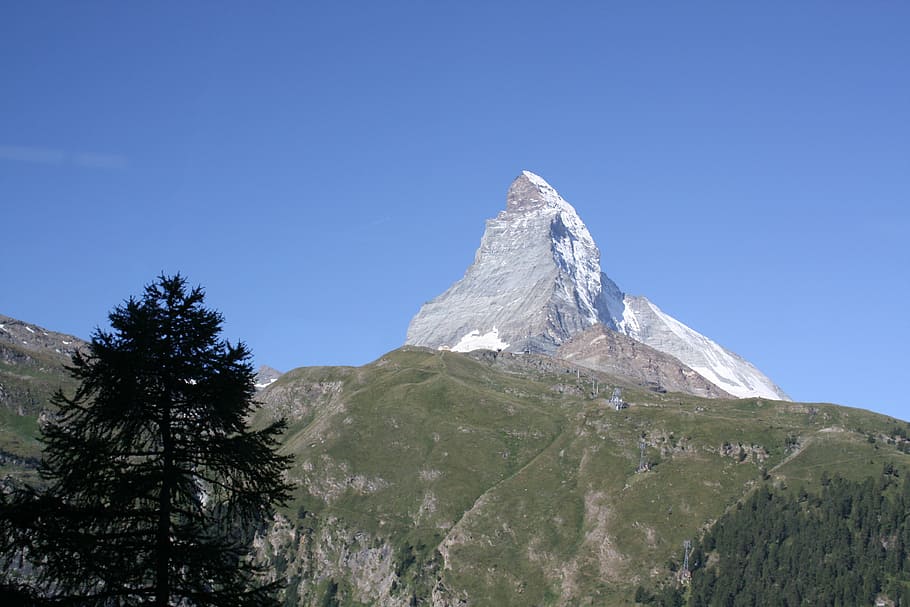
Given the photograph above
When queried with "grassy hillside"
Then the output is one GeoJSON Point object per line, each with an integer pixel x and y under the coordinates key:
{"type": "Point", "coordinates": [28, 379]}
{"type": "Point", "coordinates": [503, 481]}
{"type": "Point", "coordinates": [473, 479]}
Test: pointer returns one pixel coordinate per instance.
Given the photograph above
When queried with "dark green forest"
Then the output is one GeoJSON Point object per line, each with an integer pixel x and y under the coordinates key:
{"type": "Point", "coordinates": [846, 545]}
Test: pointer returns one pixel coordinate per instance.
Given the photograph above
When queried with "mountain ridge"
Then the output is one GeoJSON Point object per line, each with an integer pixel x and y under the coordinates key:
{"type": "Point", "coordinates": [602, 349]}
{"type": "Point", "coordinates": [648, 324]}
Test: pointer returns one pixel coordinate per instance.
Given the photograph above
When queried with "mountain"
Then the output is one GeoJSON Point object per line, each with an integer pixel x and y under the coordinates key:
{"type": "Point", "coordinates": [645, 322]}
{"type": "Point", "coordinates": [32, 340]}
{"type": "Point", "coordinates": [265, 376]}
{"type": "Point", "coordinates": [31, 366]}
{"type": "Point", "coordinates": [536, 281]}
{"type": "Point", "coordinates": [479, 479]}
{"type": "Point", "coordinates": [31, 369]}
{"type": "Point", "coordinates": [602, 349]}
{"type": "Point", "coordinates": [497, 479]}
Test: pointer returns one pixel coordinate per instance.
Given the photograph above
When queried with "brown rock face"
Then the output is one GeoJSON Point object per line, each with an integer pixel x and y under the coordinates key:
{"type": "Point", "coordinates": [524, 194]}
{"type": "Point", "coordinates": [603, 349]}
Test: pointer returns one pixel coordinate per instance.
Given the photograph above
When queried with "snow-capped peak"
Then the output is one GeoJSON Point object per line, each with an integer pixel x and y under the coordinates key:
{"type": "Point", "coordinates": [546, 194]}
{"type": "Point", "coordinates": [536, 281]}
{"type": "Point", "coordinates": [575, 251]}
{"type": "Point", "coordinates": [539, 181]}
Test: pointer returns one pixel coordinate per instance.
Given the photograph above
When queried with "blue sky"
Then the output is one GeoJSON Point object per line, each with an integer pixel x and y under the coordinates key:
{"type": "Point", "coordinates": [322, 169]}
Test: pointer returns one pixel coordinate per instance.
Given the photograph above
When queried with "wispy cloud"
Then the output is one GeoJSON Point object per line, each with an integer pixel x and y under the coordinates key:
{"type": "Point", "coordinates": [100, 161]}
{"type": "Point", "coordinates": [58, 157]}
{"type": "Point", "coordinates": [31, 154]}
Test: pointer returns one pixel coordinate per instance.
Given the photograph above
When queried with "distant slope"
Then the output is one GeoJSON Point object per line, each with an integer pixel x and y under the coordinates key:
{"type": "Point", "coordinates": [602, 349]}
{"type": "Point", "coordinates": [442, 478]}
{"type": "Point", "coordinates": [645, 322]}
{"type": "Point", "coordinates": [32, 361]}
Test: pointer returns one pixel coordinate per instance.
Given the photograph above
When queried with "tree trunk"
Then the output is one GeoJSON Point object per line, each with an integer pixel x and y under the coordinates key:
{"type": "Point", "coordinates": [163, 539]}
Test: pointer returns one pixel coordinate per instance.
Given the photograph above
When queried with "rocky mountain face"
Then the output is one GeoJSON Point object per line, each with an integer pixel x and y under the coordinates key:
{"type": "Point", "coordinates": [265, 376]}
{"type": "Point", "coordinates": [603, 349]}
{"type": "Point", "coordinates": [536, 281]}
{"type": "Point", "coordinates": [32, 361]}
{"type": "Point", "coordinates": [23, 337]}
{"type": "Point", "coordinates": [645, 322]}
{"type": "Point", "coordinates": [31, 364]}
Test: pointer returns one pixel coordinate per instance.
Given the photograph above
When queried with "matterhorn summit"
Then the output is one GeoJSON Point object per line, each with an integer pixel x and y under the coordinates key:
{"type": "Point", "coordinates": [536, 281]}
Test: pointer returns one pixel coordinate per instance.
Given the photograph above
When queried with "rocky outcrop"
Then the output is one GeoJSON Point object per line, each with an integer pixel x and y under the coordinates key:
{"type": "Point", "coordinates": [32, 368]}
{"type": "Point", "coordinates": [265, 376]}
{"type": "Point", "coordinates": [603, 349]}
{"type": "Point", "coordinates": [325, 562]}
{"type": "Point", "coordinates": [23, 337]}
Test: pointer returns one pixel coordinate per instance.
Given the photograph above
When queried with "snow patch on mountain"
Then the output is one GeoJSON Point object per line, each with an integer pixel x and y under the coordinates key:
{"type": "Point", "coordinates": [629, 323]}
{"type": "Point", "coordinates": [266, 376]}
{"type": "Point", "coordinates": [475, 341]}
{"type": "Point", "coordinates": [645, 322]}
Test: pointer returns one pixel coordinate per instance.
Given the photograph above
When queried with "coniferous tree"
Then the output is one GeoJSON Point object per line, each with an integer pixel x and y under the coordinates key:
{"type": "Point", "coordinates": [154, 482]}
{"type": "Point", "coordinates": [844, 546]}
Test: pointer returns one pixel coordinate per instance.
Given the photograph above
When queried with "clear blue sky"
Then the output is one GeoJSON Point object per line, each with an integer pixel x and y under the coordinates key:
{"type": "Point", "coordinates": [322, 169]}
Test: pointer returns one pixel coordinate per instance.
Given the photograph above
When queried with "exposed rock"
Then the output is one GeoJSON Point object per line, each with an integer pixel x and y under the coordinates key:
{"type": "Point", "coordinates": [603, 349]}
{"type": "Point", "coordinates": [295, 400]}
{"type": "Point", "coordinates": [36, 340]}
{"type": "Point", "coordinates": [265, 376]}
{"type": "Point", "coordinates": [304, 554]}
{"type": "Point", "coordinates": [33, 365]}
{"type": "Point", "coordinates": [645, 322]}
{"type": "Point", "coordinates": [324, 561]}
{"type": "Point", "coordinates": [536, 282]}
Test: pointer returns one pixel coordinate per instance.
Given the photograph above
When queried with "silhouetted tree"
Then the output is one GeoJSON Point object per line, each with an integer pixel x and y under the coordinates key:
{"type": "Point", "coordinates": [154, 480]}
